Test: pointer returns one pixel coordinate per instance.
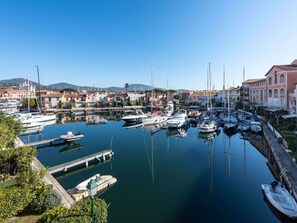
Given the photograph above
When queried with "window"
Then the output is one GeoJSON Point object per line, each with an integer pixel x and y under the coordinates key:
{"type": "Point", "coordinates": [270, 93]}
{"type": "Point", "coordinates": [275, 77]}
{"type": "Point", "coordinates": [282, 78]}
{"type": "Point", "coordinates": [275, 93]}
{"type": "Point", "coordinates": [282, 93]}
{"type": "Point", "coordinates": [269, 81]}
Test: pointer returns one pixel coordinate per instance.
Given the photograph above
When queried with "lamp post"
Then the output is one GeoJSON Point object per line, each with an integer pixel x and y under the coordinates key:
{"type": "Point", "coordinates": [92, 188]}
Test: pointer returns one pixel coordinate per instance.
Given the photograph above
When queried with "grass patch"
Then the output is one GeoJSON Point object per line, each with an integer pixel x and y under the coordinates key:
{"type": "Point", "coordinates": [22, 219]}
{"type": "Point", "coordinates": [9, 183]}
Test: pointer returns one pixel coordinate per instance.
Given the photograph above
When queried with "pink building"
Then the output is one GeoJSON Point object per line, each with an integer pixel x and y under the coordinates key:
{"type": "Point", "coordinates": [258, 92]}
{"type": "Point", "coordinates": [281, 81]}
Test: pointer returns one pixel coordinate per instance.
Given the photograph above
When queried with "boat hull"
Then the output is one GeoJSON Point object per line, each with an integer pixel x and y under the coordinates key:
{"type": "Point", "coordinates": [281, 200]}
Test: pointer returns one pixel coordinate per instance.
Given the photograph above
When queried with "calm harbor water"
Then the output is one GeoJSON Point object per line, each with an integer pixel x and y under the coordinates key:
{"type": "Point", "coordinates": [168, 176]}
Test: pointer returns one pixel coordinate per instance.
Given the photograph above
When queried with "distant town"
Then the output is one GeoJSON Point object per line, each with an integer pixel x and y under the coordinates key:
{"type": "Point", "coordinates": [275, 90]}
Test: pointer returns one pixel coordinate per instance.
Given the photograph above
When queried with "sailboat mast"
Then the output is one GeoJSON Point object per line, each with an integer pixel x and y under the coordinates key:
{"type": "Point", "coordinates": [152, 83]}
{"type": "Point", "coordinates": [209, 73]}
{"type": "Point", "coordinates": [224, 88]}
{"type": "Point", "coordinates": [28, 95]}
{"type": "Point", "coordinates": [38, 83]}
{"type": "Point", "coordinates": [207, 85]}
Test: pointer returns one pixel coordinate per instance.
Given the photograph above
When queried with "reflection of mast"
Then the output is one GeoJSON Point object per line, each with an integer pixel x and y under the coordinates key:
{"type": "Point", "coordinates": [210, 163]}
{"type": "Point", "coordinates": [152, 161]}
{"type": "Point", "coordinates": [244, 146]}
{"type": "Point", "coordinates": [228, 153]}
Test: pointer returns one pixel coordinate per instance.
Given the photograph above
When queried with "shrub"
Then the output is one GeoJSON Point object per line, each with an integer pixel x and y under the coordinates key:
{"type": "Point", "coordinates": [81, 212]}
{"type": "Point", "coordinates": [45, 201]}
{"type": "Point", "coordinates": [13, 201]}
{"type": "Point", "coordinates": [53, 215]}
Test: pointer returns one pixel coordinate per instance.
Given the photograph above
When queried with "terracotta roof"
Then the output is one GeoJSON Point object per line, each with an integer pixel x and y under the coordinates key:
{"type": "Point", "coordinates": [252, 80]}
{"type": "Point", "coordinates": [57, 95]}
{"type": "Point", "coordinates": [284, 67]}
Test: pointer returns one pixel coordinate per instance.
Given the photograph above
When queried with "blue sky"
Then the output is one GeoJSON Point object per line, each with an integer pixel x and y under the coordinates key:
{"type": "Point", "coordinates": [106, 43]}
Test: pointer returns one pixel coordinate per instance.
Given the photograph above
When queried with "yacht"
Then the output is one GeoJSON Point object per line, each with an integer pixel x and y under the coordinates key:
{"type": "Point", "coordinates": [178, 120]}
{"type": "Point", "coordinates": [208, 126]}
{"type": "Point", "coordinates": [154, 119]}
{"type": "Point", "coordinates": [136, 116]}
{"type": "Point", "coordinates": [280, 199]}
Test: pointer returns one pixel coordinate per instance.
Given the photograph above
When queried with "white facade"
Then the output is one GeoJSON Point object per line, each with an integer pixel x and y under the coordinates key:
{"type": "Point", "coordinates": [136, 96]}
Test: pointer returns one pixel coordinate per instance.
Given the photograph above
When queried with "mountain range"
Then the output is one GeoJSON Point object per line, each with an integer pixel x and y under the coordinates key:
{"type": "Point", "coordinates": [62, 85]}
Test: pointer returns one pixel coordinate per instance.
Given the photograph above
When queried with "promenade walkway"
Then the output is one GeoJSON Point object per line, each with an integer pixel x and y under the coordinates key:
{"type": "Point", "coordinates": [67, 200]}
{"type": "Point", "coordinates": [283, 160]}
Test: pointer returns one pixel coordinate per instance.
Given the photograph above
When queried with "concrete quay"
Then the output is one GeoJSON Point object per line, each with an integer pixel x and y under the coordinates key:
{"type": "Point", "coordinates": [285, 164]}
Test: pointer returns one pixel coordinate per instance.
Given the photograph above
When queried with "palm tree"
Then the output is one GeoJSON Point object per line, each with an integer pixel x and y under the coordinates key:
{"type": "Point", "coordinates": [126, 86]}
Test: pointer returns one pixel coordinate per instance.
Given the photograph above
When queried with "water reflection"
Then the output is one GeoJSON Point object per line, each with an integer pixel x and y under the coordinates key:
{"type": "Point", "coordinates": [180, 132]}
{"type": "Point", "coordinates": [70, 147]}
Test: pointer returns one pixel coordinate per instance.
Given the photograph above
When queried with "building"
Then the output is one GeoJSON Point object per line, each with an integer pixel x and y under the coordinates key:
{"type": "Point", "coordinates": [281, 81]}
{"type": "Point", "coordinates": [51, 100]}
{"type": "Point", "coordinates": [94, 97]}
{"type": "Point", "coordinates": [245, 90]}
{"type": "Point", "coordinates": [258, 92]}
{"type": "Point", "coordinates": [136, 97]}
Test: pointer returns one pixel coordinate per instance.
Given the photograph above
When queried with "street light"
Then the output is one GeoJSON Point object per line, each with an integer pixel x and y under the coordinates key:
{"type": "Point", "coordinates": [92, 188]}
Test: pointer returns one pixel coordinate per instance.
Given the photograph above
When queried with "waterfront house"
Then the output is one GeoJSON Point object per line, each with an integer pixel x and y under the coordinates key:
{"type": "Point", "coordinates": [258, 92]}
{"type": "Point", "coordinates": [245, 90]}
{"type": "Point", "coordinates": [51, 100]}
{"type": "Point", "coordinates": [117, 99]}
{"type": "Point", "coordinates": [74, 99]}
{"type": "Point", "coordinates": [136, 97]}
{"type": "Point", "coordinates": [281, 81]}
{"type": "Point", "coordinates": [96, 98]}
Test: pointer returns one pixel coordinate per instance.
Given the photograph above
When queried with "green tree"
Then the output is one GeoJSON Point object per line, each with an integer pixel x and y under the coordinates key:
{"type": "Point", "coordinates": [126, 86]}
{"type": "Point", "coordinates": [32, 103]}
{"type": "Point", "coordinates": [278, 114]}
{"type": "Point", "coordinates": [9, 129]}
{"type": "Point", "coordinates": [68, 90]}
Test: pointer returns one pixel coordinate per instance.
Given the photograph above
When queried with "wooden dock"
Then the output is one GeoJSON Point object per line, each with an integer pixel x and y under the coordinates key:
{"type": "Point", "coordinates": [283, 160]}
{"type": "Point", "coordinates": [100, 156]}
{"type": "Point", "coordinates": [44, 142]}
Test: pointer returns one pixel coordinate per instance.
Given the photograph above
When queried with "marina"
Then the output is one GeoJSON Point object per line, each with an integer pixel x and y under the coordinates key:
{"type": "Point", "coordinates": [209, 168]}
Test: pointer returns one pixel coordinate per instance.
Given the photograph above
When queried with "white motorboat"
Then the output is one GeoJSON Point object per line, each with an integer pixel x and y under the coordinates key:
{"type": "Point", "coordinates": [80, 191]}
{"type": "Point", "coordinates": [154, 119]}
{"type": "Point", "coordinates": [256, 127]}
{"type": "Point", "coordinates": [280, 198]}
{"type": "Point", "coordinates": [136, 116]}
{"type": "Point", "coordinates": [177, 121]}
{"type": "Point", "coordinates": [99, 179]}
{"type": "Point", "coordinates": [70, 136]}
{"type": "Point", "coordinates": [28, 118]}
{"type": "Point", "coordinates": [207, 126]}
{"type": "Point", "coordinates": [243, 127]}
